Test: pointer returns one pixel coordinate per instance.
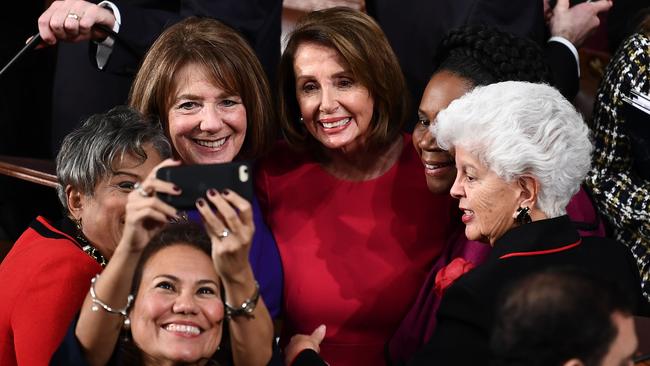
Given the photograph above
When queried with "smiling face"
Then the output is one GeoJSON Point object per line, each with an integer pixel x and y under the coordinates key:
{"type": "Point", "coordinates": [178, 312]}
{"type": "Point", "coordinates": [335, 107]}
{"type": "Point", "coordinates": [439, 167]}
{"type": "Point", "coordinates": [487, 201]}
{"type": "Point", "coordinates": [102, 214]}
{"type": "Point", "coordinates": [206, 123]}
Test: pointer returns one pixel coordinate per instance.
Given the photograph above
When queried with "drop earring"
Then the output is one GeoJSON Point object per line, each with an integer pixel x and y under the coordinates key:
{"type": "Point", "coordinates": [523, 216]}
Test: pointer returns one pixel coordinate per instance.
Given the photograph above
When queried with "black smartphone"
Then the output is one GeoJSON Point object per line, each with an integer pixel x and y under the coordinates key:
{"type": "Point", "coordinates": [195, 180]}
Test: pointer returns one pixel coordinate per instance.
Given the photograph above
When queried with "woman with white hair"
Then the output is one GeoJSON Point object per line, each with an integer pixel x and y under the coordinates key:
{"type": "Point", "coordinates": [521, 152]}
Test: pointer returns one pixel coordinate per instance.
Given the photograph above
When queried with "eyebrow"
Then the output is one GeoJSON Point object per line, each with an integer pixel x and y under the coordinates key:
{"type": "Point", "coordinates": [176, 279]}
{"type": "Point", "coordinates": [122, 172]}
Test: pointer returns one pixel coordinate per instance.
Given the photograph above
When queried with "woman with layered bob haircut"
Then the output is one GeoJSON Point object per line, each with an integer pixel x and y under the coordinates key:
{"type": "Point", "coordinates": [225, 59]}
{"type": "Point", "coordinates": [355, 224]}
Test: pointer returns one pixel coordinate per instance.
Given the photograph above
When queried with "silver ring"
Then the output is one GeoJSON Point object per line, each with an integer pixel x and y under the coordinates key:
{"type": "Point", "coordinates": [224, 234]}
{"type": "Point", "coordinates": [73, 15]}
{"type": "Point", "coordinates": [141, 191]}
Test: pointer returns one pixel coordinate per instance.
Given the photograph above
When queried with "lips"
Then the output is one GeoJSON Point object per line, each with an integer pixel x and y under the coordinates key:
{"type": "Point", "coordinates": [437, 167]}
{"type": "Point", "coordinates": [188, 330]}
{"type": "Point", "coordinates": [211, 144]}
{"type": "Point", "coordinates": [334, 122]}
{"type": "Point", "coordinates": [468, 215]}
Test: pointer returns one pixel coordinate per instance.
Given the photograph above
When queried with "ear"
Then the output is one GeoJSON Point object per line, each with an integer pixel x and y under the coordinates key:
{"type": "Point", "coordinates": [75, 201]}
{"type": "Point", "coordinates": [573, 362]}
{"type": "Point", "coordinates": [529, 190]}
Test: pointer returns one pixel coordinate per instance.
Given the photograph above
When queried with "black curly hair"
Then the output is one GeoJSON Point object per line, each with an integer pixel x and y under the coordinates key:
{"type": "Point", "coordinates": [484, 55]}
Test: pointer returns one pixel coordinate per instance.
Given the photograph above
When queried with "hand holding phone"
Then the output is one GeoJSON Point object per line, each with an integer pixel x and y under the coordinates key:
{"type": "Point", "coordinates": [195, 180]}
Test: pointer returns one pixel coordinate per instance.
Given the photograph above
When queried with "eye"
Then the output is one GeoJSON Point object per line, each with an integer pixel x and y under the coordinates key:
{"type": "Point", "coordinates": [309, 87]}
{"type": "Point", "coordinates": [228, 102]}
{"type": "Point", "coordinates": [165, 285]}
{"type": "Point", "coordinates": [423, 121]}
{"type": "Point", "coordinates": [126, 185]}
{"type": "Point", "coordinates": [345, 83]}
{"type": "Point", "coordinates": [205, 291]}
{"type": "Point", "coordinates": [188, 105]}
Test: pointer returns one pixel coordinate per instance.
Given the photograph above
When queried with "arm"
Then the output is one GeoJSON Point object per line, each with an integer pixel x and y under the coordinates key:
{"type": "Point", "coordinates": [98, 331]}
{"type": "Point", "coordinates": [231, 233]}
{"type": "Point", "coordinates": [620, 194]}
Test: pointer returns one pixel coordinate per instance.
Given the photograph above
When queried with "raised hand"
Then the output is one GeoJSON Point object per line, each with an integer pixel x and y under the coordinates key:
{"type": "Point", "coordinates": [72, 21]}
{"type": "Point", "coordinates": [146, 214]}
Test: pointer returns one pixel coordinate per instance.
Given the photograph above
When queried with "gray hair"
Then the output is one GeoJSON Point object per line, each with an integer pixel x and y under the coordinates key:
{"type": "Point", "coordinates": [517, 128]}
{"type": "Point", "coordinates": [88, 153]}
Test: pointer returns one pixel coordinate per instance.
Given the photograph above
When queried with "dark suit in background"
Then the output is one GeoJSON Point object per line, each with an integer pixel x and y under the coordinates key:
{"type": "Point", "coordinates": [81, 89]}
{"type": "Point", "coordinates": [415, 28]}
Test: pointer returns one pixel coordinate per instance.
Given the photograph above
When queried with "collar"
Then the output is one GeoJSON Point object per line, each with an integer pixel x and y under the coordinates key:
{"type": "Point", "coordinates": [537, 238]}
{"type": "Point", "coordinates": [66, 229]}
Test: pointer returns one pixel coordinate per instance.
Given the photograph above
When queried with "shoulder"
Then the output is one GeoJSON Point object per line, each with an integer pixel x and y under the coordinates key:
{"type": "Point", "coordinates": [281, 159]}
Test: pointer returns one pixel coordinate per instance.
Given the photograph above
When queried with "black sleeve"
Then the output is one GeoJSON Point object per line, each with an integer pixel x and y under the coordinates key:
{"type": "Point", "coordinates": [564, 69]}
{"type": "Point", "coordinates": [462, 334]}
{"type": "Point", "coordinates": [308, 357]}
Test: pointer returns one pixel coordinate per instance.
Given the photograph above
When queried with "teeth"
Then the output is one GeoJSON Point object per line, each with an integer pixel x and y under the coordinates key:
{"type": "Point", "coordinates": [211, 144]}
{"type": "Point", "coordinates": [179, 328]}
{"type": "Point", "coordinates": [468, 212]}
{"type": "Point", "coordinates": [336, 124]}
{"type": "Point", "coordinates": [435, 166]}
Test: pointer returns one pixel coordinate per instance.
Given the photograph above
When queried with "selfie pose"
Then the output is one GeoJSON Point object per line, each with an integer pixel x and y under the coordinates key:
{"type": "Point", "coordinates": [45, 276]}
{"type": "Point", "coordinates": [203, 82]}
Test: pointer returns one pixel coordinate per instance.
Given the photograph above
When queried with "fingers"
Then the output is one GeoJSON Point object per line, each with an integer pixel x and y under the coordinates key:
{"type": "Point", "coordinates": [600, 6]}
{"type": "Point", "coordinates": [72, 20]}
{"type": "Point", "coordinates": [153, 184]}
{"type": "Point", "coordinates": [561, 5]}
{"type": "Point", "coordinates": [319, 334]}
{"type": "Point", "coordinates": [137, 203]}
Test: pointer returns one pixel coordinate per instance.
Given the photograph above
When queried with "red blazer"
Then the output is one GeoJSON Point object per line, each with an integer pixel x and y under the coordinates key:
{"type": "Point", "coordinates": [43, 281]}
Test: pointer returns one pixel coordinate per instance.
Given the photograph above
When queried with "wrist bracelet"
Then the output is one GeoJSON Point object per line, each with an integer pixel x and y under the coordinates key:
{"type": "Point", "coordinates": [246, 308]}
{"type": "Point", "coordinates": [97, 302]}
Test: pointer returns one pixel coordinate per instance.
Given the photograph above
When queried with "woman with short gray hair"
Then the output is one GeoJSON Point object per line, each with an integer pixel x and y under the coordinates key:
{"type": "Point", "coordinates": [521, 153]}
{"type": "Point", "coordinates": [45, 276]}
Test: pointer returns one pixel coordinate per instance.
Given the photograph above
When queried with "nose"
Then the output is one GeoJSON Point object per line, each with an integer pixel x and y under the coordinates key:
{"type": "Point", "coordinates": [426, 141]}
{"type": "Point", "coordinates": [211, 120]}
{"type": "Point", "coordinates": [457, 190]}
{"type": "Point", "coordinates": [328, 102]}
{"type": "Point", "coordinates": [185, 304]}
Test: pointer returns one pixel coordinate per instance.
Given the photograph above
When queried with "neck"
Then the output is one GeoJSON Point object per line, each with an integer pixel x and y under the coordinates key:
{"type": "Point", "coordinates": [362, 164]}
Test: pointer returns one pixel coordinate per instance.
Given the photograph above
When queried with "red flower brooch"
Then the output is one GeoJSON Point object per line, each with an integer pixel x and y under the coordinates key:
{"type": "Point", "coordinates": [448, 274]}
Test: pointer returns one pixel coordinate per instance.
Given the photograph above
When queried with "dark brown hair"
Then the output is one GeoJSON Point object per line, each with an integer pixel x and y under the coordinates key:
{"type": "Point", "coordinates": [228, 60]}
{"type": "Point", "coordinates": [364, 47]}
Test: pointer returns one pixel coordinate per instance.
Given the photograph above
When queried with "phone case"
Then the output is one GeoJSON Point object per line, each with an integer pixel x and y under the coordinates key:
{"type": "Point", "coordinates": [195, 180]}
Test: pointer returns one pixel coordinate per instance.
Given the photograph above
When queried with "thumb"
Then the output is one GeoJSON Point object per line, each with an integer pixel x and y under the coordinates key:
{"type": "Point", "coordinates": [561, 5]}
{"type": "Point", "coordinates": [319, 333]}
{"type": "Point", "coordinates": [600, 6]}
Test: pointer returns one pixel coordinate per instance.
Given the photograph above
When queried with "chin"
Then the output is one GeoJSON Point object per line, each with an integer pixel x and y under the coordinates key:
{"type": "Point", "coordinates": [437, 186]}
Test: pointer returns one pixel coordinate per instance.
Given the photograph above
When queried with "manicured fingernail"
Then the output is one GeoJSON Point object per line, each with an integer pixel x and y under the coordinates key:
{"type": "Point", "coordinates": [176, 188]}
{"type": "Point", "coordinates": [225, 192]}
{"type": "Point", "coordinates": [212, 192]}
{"type": "Point", "coordinates": [200, 202]}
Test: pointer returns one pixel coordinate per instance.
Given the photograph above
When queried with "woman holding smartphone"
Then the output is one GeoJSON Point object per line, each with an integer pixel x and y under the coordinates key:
{"type": "Point", "coordinates": [205, 84]}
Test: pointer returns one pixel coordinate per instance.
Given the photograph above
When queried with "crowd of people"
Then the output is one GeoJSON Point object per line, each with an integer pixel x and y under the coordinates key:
{"type": "Point", "coordinates": [363, 243]}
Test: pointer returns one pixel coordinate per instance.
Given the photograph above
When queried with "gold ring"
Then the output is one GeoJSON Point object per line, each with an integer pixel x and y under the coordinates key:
{"type": "Point", "coordinates": [74, 16]}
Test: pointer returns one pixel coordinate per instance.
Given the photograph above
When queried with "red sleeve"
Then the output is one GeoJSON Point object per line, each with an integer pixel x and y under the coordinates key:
{"type": "Point", "coordinates": [48, 303]}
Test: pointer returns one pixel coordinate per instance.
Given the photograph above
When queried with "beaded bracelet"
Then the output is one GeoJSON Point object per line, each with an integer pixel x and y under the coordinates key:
{"type": "Point", "coordinates": [104, 306]}
{"type": "Point", "coordinates": [246, 308]}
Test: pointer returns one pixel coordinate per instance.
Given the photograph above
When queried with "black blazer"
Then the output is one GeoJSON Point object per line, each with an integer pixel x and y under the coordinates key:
{"type": "Point", "coordinates": [467, 309]}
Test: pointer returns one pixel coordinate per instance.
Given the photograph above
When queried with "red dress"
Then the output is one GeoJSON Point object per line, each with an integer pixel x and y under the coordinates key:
{"type": "Point", "coordinates": [43, 281]}
{"type": "Point", "coordinates": [354, 254]}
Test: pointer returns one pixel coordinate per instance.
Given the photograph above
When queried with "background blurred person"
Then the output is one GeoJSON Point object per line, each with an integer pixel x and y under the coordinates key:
{"type": "Point", "coordinates": [621, 190]}
{"type": "Point", "coordinates": [45, 276]}
{"type": "Point", "coordinates": [207, 87]}
{"type": "Point", "coordinates": [356, 226]}
{"type": "Point", "coordinates": [513, 197]}
{"type": "Point", "coordinates": [563, 318]}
